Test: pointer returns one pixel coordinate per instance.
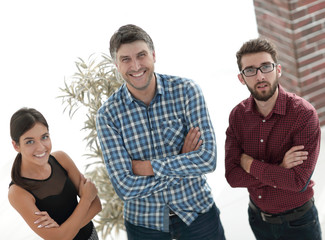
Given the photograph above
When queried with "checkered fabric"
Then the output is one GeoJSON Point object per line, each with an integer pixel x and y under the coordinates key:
{"type": "Point", "coordinates": [292, 122]}
{"type": "Point", "coordinates": [130, 130]}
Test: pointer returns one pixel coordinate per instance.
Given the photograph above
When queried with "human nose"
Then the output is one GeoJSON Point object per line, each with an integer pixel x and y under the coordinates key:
{"type": "Point", "coordinates": [39, 146]}
{"type": "Point", "coordinates": [135, 65]}
{"type": "Point", "coordinates": [259, 75]}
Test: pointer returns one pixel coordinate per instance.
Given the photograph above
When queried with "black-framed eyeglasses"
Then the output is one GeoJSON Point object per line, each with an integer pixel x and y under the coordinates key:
{"type": "Point", "coordinates": [265, 68]}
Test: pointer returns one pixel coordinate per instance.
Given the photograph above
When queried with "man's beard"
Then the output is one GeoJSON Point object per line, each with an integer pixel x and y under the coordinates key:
{"type": "Point", "coordinates": [264, 96]}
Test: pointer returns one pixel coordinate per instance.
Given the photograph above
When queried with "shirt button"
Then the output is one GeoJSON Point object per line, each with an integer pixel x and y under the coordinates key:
{"type": "Point", "coordinates": [259, 196]}
{"type": "Point", "coordinates": [262, 140]}
{"type": "Point", "coordinates": [262, 160]}
{"type": "Point", "coordinates": [274, 186]}
{"type": "Point", "coordinates": [263, 120]}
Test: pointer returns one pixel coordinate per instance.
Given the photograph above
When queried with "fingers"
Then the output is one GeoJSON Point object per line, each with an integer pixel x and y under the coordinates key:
{"type": "Point", "coordinates": [49, 223]}
{"type": "Point", "coordinates": [88, 190]}
{"type": "Point", "coordinates": [295, 148]}
{"type": "Point", "coordinates": [82, 179]}
{"type": "Point", "coordinates": [198, 145]}
{"type": "Point", "coordinates": [193, 137]}
{"type": "Point", "coordinates": [294, 157]}
{"type": "Point", "coordinates": [45, 221]}
{"type": "Point", "coordinates": [192, 142]}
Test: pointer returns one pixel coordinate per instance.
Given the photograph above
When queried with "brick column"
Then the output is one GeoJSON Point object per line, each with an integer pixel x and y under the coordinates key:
{"type": "Point", "coordinates": [297, 28]}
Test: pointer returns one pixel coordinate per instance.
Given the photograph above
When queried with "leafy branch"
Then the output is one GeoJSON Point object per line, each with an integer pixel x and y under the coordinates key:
{"type": "Point", "coordinates": [92, 83]}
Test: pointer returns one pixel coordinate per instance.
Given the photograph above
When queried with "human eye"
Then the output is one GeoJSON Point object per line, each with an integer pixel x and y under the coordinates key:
{"type": "Point", "coordinates": [125, 59]}
{"type": "Point", "coordinates": [29, 142]}
{"type": "Point", "coordinates": [267, 67]}
{"type": "Point", "coordinates": [249, 71]}
{"type": "Point", "coordinates": [45, 137]}
{"type": "Point", "coordinates": [142, 54]}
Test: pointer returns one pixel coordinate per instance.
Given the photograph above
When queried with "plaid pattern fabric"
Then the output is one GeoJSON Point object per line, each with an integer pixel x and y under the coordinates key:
{"type": "Point", "coordinates": [130, 130]}
{"type": "Point", "coordinates": [292, 122]}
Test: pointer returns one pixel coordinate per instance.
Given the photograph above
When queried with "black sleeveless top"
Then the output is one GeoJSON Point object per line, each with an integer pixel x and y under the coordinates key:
{"type": "Point", "coordinates": [57, 196]}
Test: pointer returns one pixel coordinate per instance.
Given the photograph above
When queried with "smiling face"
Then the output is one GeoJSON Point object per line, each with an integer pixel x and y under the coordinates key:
{"type": "Point", "coordinates": [34, 145]}
{"type": "Point", "coordinates": [263, 86]}
{"type": "Point", "coordinates": [135, 62]}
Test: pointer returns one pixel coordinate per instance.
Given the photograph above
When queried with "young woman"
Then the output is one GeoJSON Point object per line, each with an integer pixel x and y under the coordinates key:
{"type": "Point", "coordinates": [45, 185]}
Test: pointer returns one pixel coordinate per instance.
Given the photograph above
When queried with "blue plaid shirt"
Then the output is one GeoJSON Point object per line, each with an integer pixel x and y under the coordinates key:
{"type": "Point", "coordinates": [130, 130]}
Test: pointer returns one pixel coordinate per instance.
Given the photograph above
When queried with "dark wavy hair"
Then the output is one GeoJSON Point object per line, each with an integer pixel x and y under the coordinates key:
{"type": "Point", "coordinates": [128, 34]}
{"type": "Point", "coordinates": [22, 121]}
{"type": "Point", "coordinates": [255, 46]}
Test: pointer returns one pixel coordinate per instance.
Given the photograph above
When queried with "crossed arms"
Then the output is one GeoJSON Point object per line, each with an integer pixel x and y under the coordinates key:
{"type": "Point", "coordinates": [296, 166]}
{"type": "Point", "coordinates": [41, 223]}
{"type": "Point", "coordinates": [141, 161]}
{"type": "Point", "coordinates": [192, 142]}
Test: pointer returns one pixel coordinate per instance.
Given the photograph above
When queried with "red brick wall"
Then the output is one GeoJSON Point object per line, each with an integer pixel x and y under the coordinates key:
{"type": "Point", "coordinates": [297, 28]}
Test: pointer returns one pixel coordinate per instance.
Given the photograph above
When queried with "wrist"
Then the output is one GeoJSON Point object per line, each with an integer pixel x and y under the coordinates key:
{"type": "Point", "coordinates": [249, 164]}
{"type": "Point", "coordinates": [85, 201]}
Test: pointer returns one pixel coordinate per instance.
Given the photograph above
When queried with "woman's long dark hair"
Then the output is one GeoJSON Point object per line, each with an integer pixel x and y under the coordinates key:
{"type": "Point", "coordinates": [22, 121]}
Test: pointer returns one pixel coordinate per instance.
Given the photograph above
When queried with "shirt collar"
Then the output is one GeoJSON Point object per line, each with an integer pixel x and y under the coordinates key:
{"type": "Point", "coordinates": [279, 107]}
{"type": "Point", "coordinates": [129, 98]}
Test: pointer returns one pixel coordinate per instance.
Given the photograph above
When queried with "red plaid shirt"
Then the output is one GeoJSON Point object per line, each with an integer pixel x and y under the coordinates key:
{"type": "Point", "coordinates": [293, 121]}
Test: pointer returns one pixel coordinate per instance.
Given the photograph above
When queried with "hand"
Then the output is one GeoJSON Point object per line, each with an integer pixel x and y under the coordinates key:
{"type": "Point", "coordinates": [142, 168]}
{"type": "Point", "coordinates": [87, 189]}
{"type": "Point", "coordinates": [191, 142]}
{"type": "Point", "coordinates": [45, 221]}
{"type": "Point", "coordinates": [294, 157]}
{"type": "Point", "coordinates": [246, 162]}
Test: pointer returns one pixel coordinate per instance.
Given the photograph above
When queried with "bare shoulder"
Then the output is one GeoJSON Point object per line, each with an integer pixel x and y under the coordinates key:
{"type": "Point", "coordinates": [59, 155]}
{"type": "Point", "coordinates": [64, 159]}
{"type": "Point", "coordinates": [18, 196]}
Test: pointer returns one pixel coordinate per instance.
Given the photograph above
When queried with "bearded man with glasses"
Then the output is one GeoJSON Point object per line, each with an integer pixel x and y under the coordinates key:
{"type": "Point", "coordinates": [272, 146]}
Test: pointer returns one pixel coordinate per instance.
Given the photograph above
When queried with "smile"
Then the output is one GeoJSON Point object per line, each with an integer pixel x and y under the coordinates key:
{"type": "Point", "coordinates": [40, 155]}
{"type": "Point", "coordinates": [140, 74]}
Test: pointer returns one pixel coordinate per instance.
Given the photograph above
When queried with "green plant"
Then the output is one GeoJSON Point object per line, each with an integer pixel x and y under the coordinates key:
{"type": "Point", "coordinates": [92, 84]}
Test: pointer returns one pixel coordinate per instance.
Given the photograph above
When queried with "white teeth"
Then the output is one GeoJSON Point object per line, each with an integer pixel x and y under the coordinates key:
{"type": "Point", "coordinates": [138, 75]}
{"type": "Point", "coordinates": [262, 86]}
{"type": "Point", "coordinates": [41, 155]}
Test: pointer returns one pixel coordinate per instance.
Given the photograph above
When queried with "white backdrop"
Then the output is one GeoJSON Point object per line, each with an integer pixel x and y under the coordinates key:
{"type": "Point", "coordinates": [40, 40]}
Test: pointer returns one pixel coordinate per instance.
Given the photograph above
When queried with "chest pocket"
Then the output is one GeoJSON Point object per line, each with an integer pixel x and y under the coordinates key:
{"type": "Point", "coordinates": [174, 133]}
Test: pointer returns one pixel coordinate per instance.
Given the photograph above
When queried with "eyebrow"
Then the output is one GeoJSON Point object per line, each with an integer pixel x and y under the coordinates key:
{"type": "Point", "coordinates": [126, 56]}
{"type": "Point", "coordinates": [28, 138]}
{"type": "Point", "coordinates": [263, 63]}
{"type": "Point", "coordinates": [31, 138]}
{"type": "Point", "coordinates": [143, 51]}
{"type": "Point", "coordinates": [120, 57]}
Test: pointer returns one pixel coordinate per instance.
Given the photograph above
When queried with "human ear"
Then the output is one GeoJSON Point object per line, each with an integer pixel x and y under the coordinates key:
{"type": "Point", "coordinates": [241, 79]}
{"type": "Point", "coordinates": [154, 56]}
{"type": "Point", "coordinates": [279, 70]}
{"type": "Point", "coordinates": [16, 146]}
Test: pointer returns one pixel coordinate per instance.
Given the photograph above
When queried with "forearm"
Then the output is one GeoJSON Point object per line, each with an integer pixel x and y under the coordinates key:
{"type": "Point", "coordinates": [191, 143]}
{"type": "Point", "coordinates": [69, 229]}
{"type": "Point", "coordinates": [194, 163]}
{"type": "Point", "coordinates": [294, 179]}
{"type": "Point", "coordinates": [237, 177]}
{"type": "Point", "coordinates": [188, 165]}
{"type": "Point", "coordinates": [119, 164]}
{"type": "Point", "coordinates": [94, 209]}
{"type": "Point", "coordinates": [142, 168]}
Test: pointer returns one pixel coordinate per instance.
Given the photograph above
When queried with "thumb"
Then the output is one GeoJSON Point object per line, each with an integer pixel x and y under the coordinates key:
{"type": "Point", "coordinates": [82, 178]}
